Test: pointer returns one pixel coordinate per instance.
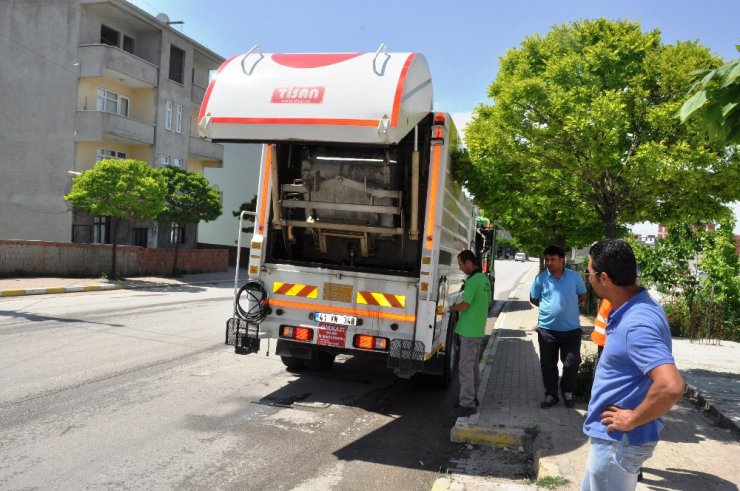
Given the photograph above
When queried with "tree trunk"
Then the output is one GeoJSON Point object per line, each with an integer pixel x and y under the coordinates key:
{"type": "Point", "coordinates": [115, 242]}
{"type": "Point", "coordinates": [611, 228]}
{"type": "Point", "coordinates": [177, 248]}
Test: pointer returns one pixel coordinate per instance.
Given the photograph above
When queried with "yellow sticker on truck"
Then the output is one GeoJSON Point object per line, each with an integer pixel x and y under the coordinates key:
{"type": "Point", "coordinates": [381, 299]}
{"type": "Point", "coordinates": [295, 290]}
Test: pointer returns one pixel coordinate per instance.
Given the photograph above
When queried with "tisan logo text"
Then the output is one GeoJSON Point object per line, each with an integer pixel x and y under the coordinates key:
{"type": "Point", "coordinates": [297, 95]}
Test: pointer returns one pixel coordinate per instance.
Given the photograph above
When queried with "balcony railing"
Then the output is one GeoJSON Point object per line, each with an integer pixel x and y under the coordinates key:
{"type": "Point", "coordinates": [97, 125]}
{"type": "Point", "coordinates": [101, 60]}
{"type": "Point", "coordinates": [198, 93]}
{"type": "Point", "coordinates": [206, 150]}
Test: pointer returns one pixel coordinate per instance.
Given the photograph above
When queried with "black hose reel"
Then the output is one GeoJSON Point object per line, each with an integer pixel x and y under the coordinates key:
{"type": "Point", "coordinates": [242, 330]}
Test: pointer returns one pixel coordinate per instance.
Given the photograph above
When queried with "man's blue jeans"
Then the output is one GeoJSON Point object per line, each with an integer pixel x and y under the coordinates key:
{"type": "Point", "coordinates": [613, 466]}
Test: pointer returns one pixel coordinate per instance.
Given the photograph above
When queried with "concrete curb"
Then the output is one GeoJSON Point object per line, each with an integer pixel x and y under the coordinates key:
{"type": "Point", "coordinates": [95, 288]}
{"type": "Point", "coordinates": [704, 403]}
{"type": "Point", "coordinates": [58, 289]}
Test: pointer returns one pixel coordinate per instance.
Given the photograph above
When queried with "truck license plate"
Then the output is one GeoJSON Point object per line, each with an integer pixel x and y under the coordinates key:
{"type": "Point", "coordinates": [344, 320]}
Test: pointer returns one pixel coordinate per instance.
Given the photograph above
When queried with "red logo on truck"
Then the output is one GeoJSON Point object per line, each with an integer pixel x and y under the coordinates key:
{"type": "Point", "coordinates": [297, 95]}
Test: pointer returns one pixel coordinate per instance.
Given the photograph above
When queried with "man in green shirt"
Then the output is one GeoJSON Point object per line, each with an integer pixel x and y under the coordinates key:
{"type": "Point", "coordinates": [471, 327]}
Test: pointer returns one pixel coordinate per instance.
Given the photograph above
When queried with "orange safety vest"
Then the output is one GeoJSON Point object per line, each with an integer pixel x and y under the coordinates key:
{"type": "Point", "coordinates": [598, 335]}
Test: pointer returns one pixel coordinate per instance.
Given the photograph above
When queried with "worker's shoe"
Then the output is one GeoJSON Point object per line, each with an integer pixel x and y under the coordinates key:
{"type": "Point", "coordinates": [568, 399]}
{"type": "Point", "coordinates": [457, 404]}
{"type": "Point", "coordinates": [549, 402]}
{"type": "Point", "coordinates": [464, 411]}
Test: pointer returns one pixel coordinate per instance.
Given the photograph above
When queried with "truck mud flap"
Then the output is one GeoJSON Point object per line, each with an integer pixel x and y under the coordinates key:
{"type": "Point", "coordinates": [406, 357]}
{"type": "Point", "coordinates": [243, 336]}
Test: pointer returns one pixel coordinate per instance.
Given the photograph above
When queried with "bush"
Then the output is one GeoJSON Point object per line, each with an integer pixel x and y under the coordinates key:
{"type": "Point", "coordinates": [585, 377]}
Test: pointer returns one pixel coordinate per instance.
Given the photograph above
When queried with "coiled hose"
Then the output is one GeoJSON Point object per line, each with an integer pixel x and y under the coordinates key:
{"type": "Point", "coordinates": [257, 296]}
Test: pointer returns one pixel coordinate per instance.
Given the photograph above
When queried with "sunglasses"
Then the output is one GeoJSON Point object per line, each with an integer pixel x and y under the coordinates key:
{"type": "Point", "coordinates": [589, 273]}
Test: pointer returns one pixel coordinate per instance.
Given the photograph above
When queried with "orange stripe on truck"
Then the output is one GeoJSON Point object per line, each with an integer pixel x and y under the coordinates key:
{"type": "Point", "coordinates": [265, 186]}
{"type": "Point", "coordinates": [314, 307]}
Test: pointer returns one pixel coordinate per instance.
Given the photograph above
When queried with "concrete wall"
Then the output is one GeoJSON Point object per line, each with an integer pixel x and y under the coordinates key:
{"type": "Point", "coordinates": [39, 81]}
{"type": "Point", "coordinates": [36, 258]}
{"type": "Point", "coordinates": [237, 180]}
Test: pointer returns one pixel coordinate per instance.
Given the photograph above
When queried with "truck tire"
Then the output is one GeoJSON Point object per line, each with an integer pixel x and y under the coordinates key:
{"type": "Point", "coordinates": [320, 360]}
{"type": "Point", "coordinates": [293, 364]}
{"type": "Point", "coordinates": [451, 353]}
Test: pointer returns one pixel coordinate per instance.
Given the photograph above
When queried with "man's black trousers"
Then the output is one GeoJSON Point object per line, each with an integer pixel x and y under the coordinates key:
{"type": "Point", "coordinates": [563, 345]}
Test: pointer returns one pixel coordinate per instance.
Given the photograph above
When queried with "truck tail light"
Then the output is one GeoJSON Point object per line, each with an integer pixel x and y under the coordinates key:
{"type": "Point", "coordinates": [364, 341]}
{"type": "Point", "coordinates": [297, 333]}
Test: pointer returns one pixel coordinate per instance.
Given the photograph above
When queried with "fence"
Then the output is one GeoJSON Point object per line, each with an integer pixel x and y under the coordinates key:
{"type": "Point", "coordinates": [38, 258]}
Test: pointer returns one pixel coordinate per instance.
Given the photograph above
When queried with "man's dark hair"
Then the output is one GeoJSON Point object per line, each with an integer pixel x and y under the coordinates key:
{"type": "Point", "coordinates": [615, 258]}
{"type": "Point", "coordinates": [468, 255]}
{"type": "Point", "coordinates": [553, 250]}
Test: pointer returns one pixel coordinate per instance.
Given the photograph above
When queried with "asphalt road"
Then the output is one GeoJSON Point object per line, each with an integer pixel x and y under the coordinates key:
{"type": "Point", "coordinates": [136, 390]}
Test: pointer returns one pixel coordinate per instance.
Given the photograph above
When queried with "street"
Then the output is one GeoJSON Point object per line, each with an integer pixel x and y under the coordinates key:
{"type": "Point", "coordinates": [135, 389]}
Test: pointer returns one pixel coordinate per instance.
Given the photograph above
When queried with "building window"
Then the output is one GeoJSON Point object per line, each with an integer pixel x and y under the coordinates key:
{"type": "Point", "coordinates": [109, 36]}
{"type": "Point", "coordinates": [179, 163]}
{"type": "Point", "coordinates": [100, 230]}
{"type": "Point", "coordinates": [177, 65]}
{"type": "Point", "coordinates": [129, 44]}
{"type": "Point", "coordinates": [177, 233]}
{"type": "Point", "coordinates": [111, 102]}
{"type": "Point", "coordinates": [139, 236]}
{"type": "Point", "coordinates": [178, 119]}
{"type": "Point", "coordinates": [164, 160]}
{"type": "Point", "coordinates": [104, 153]}
{"type": "Point", "coordinates": [168, 115]}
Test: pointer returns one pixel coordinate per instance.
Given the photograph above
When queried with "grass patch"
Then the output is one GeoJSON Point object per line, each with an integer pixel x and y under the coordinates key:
{"type": "Point", "coordinates": [550, 482]}
{"type": "Point", "coordinates": [532, 430]}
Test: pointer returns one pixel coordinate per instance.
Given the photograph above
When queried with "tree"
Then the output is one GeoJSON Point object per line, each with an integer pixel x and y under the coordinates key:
{"type": "Point", "coordinates": [715, 99]}
{"type": "Point", "coordinates": [250, 206]}
{"type": "Point", "coordinates": [119, 189]}
{"type": "Point", "coordinates": [190, 198]}
{"type": "Point", "coordinates": [581, 139]}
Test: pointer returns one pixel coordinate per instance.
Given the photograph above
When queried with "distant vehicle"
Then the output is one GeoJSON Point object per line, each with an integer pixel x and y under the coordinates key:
{"type": "Point", "coordinates": [521, 256]}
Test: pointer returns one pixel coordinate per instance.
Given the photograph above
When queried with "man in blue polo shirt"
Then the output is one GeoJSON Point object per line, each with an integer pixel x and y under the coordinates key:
{"type": "Point", "coordinates": [557, 291]}
{"type": "Point", "coordinates": [636, 380]}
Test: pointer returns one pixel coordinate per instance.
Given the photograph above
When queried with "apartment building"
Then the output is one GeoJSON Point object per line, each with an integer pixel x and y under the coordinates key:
{"type": "Point", "coordinates": [85, 80]}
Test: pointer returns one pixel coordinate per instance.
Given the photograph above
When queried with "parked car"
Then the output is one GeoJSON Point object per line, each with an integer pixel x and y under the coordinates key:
{"type": "Point", "coordinates": [521, 256]}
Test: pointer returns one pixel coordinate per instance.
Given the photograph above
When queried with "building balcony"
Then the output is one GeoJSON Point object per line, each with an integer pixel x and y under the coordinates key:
{"type": "Point", "coordinates": [101, 60]}
{"type": "Point", "coordinates": [98, 126]}
{"type": "Point", "coordinates": [206, 150]}
{"type": "Point", "coordinates": [198, 93]}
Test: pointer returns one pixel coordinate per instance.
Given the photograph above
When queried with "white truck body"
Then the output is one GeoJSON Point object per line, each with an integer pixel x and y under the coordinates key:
{"type": "Point", "coordinates": [358, 221]}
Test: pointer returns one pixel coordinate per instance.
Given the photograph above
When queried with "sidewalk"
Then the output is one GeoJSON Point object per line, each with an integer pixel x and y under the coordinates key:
{"type": "Point", "coordinates": [39, 286]}
{"type": "Point", "coordinates": [695, 453]}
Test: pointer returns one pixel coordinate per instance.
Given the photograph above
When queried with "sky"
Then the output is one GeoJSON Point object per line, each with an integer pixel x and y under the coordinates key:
{"type": "Point", "coordinates": [461, 39]}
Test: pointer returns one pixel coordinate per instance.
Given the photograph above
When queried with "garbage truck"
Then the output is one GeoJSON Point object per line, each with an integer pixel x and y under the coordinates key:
{"type": "Point", "coordinates": [358, 220]}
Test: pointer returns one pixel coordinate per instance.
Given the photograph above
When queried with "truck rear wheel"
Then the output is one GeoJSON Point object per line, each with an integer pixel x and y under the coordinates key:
{"type": "Point", "coordinates": [320, 360]}
{"type": "Point", "coordinates": [293, 363]}
{"type": "Point", "coordinates": [451, 353]}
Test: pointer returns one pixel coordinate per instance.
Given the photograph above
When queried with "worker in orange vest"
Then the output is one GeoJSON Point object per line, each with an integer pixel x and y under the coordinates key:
{"type": "Point", "coordinates": [598, 335]}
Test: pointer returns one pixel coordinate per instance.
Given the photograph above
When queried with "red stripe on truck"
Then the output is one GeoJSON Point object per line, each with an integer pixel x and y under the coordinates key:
{"type": "Point", "coordinates": [399, 90]}
{"type": "Point", "coordinates": [207, 96]}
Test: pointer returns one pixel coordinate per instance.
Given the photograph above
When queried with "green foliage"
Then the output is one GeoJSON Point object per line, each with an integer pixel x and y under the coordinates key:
{"type": "Point", "coordinates": [580, 138]}
{"type": "Point", "coordinates": [190, 197]}
{"type": "Point", "coordinates": [250, 206]}
{"type": "Point", "coordinates": [551, 482]}
{"type": "Point", "coordinates": [585, 377]}
{"type": "Point", "coordinates": [698, 274]}
{"type": "Point", "coordinates": [119, 188]}
{"type": "Point", "coordinates": [715, 99]}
